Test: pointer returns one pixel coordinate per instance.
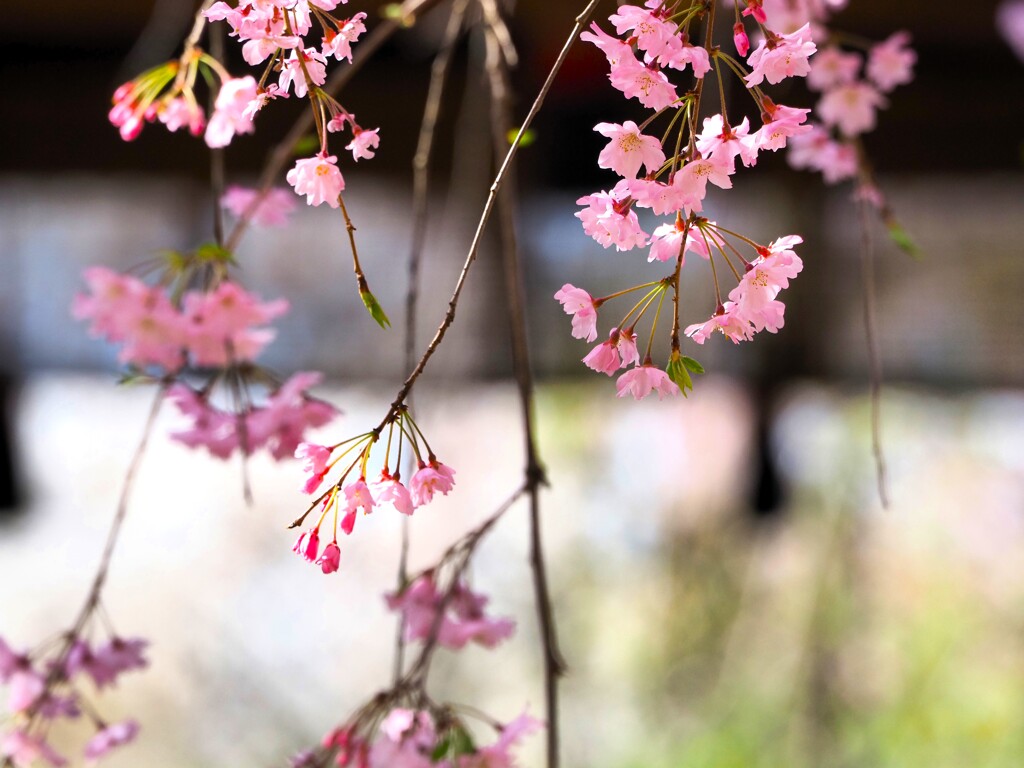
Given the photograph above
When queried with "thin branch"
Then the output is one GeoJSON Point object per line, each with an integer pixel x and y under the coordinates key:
{"type": "Point", "coordinates": [420, 199]}
{"type": "Point", "coordinates": [867, 259]}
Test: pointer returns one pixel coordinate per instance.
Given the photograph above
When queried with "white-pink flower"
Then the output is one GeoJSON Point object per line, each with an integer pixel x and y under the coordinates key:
{"type": "Point", "coordinates": [851, 108]}
{"type": "Point", "coordinates": [891, 62]}
{"type": "Point", "coordinates": [644, 379]}
{"type": "Point", "coordinates": [230, 111]}
{"type": "Point", "coordinates": [781, 56]}
{"type": "Point", "coordinates": [363, 143]}
{"type": "Point", "coordinates": [272, 210]}
{"type": "Point", "coordinates": [831, 67]}
{"type": "Point", "coordinates": [647, 85]}
{"type": "Point", "coordinates": [108, 739]}
{"type": "Point", "coordinates": [389, 490]}
{"type": "Point", "coordinates": [430, 479]}
{"type": "Point", "coordinates": [580, 304]}
{"type": "Point", "coordinates": [316, 458]}
{"type": "Point", "coordinates": [318, 178]}
{"type": "Point", "coordinates": [629, 149]}
{"type": "Point", "coordinates": [726, 320]}
{"type": "Point", "coordinates": [609, 219]}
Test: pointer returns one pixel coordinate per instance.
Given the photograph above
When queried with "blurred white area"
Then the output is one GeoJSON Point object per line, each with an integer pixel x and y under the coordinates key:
{"type": "Point", "coordinates": [256, 653]}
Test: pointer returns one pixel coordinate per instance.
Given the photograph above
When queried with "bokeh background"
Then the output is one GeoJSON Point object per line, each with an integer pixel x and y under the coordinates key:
{"type": "Point", "coordinates": [729, 591]}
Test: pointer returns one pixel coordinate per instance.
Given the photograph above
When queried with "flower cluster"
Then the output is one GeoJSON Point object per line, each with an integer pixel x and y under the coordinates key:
{"type": "Point", "coordinates": [351, 492]}
{"type": "Point", "coordinates": [44, 690]}
{"type": "Point", "coordinates": [670, 176]}
{"type": "Point", "coordinates": [416, 738]}
{"type": "Point", "coordinates": [276, 32]}
{"type": "Point", "coordinates": [462, 619]}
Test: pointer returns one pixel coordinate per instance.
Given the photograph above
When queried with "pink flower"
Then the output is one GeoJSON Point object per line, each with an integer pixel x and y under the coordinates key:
{"type": "Point", "coordinates": [781, 122]}
{"type": "Point", "coordinates": [781, 56]}
{"type": "Point", "coordinates": [11, 662]}
{"type": "Point", "coordinates": [694, 55]}
{"type": "Point", "coordinates": [718, 140]}
{"type": "Point", "coordinates": [668, 239]}
{"type": "Point", "coordinates": [318, 178]}
{"type": "Point", "coordinates": [648, 86]}
{"type": "Point", "coordinates": [288, 413]}
{"type": "Point", "coordinates": [655, 36]}
{"type": "Point", "coordinates": [209, 427]}
{"type": "Point", "coordinates": [110, 738]}
{"type": "Point", "coordinates": [179, 112]}
{"type": "Point", "coordinates": [316, 458]}
{"type": "Point", "coordinates": [407, 740]}
{"type": "Point", "coordinates": [832, 67]}
{"type": "Point", "coordinates": [312, 545]}
{"type": "Point", "coordinates": [229, 116]}
{"type": "Point", "coordinates": [644, 379]}
{"type": "Point", "coordinates": [755, 8]}
{"type": "Point", "coordinates": [464, 621]}
{"type": "Point", "coordinates": [817, 151]}
{"type": "Point", "coordinates": [608, 219]}
{"type": "Point", "coordinates": [661, 198]}
{"type": "Point", "coordinates": [331, 558]}
{"type": "Point", "coordinates": [498, 754]}
{"type": "Point", "coordinates": [429, 479]}
{"type": "Point", "coordinates": [388, 490]}
{"type": "Point", "coordinates": [222, 325]}
{"type": "Point", "coordinates": [313, 65]}
{"type": "Point", "coordinates": [259, 101]}
{"type": "Point", "coordinates": [629, 149]}
{"type": "Point", "coordinates": [358, 496]}
{"type": "Point", "coordinates": [693, 179]}
{"type": "Point", "coordinates": [363, 143]}
{"type": "Point", "coordinates": [891, 62]}
{"type": "Point", "coordinates": [851, 108]}
{"type": "Point", "coordinates": [727, 320]}
{"type": "Point", "coordinates": [1010, 23]}
{"type": "Point", "coordinates": [618, 352]}
{"type": "Point", "coordinates": [271, 211]}
{"type": "Point", "coordinates": [26, 686]}
{"type": "Point", "coordinates": [24, 750]}
{"type": "Point", "coordinates": [614, 49]}
{"type": "Point", "coordinates": [580, 304]}
{"type": "Point", "coordinates": [339, 43]}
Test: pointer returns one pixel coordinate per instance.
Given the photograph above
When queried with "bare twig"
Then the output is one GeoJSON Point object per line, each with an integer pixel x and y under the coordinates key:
{"type": "Point", "coordinates": [420, 200]}
{"type": "Point", "coordinates": [497, 65]}
{"type": "Point", "coordinates": [867, 259]}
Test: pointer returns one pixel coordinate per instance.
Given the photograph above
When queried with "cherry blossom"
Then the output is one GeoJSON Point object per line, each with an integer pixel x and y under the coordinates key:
{"type": "Point", "coordinates": [230, 111]}
{"type": "Point", "coordinates": [110, 738]}
{"type": "Point", "coordinates": [644, 379]}
{"type": "Point", "coordinates": [389, 490]}
{"type": "Point", "coordinates": [647, 85]}
{"type": "Point", "coordinates": [727, 321]}
{"type": "Point", "coordinates": [629, 149]}
{"type": "Point", "coordinates": [431, 478]}
{"type": "Point", "coordinates": [851, 108]}
{"type": "Point", "coordinates": [272, 210]}
{"type": "Point", "coordinates": [608, 219]}
{"type": "Point", "coordinates": [318, 178]}
{"type": "Point", "coordinates": [338, 43]}
{"type": "Point", "coordinates": [25, 750]}
{"type": "Point", "coordinates": [580, 304]}
{"type": "Point", "coordinates": [363, 143]}
{"type": "Point", "coordinates": [781, 56]}
{"type": "Point", "coordinates": [891, 62]}
{"type": "Point", "coordinates": [330, 560]}
{"type": "Point", "coordinates": [498, 754]}
{"type": "Point", "coordinates": [668, 239]}
{"type": "Point", "coordinates": [463, 622]}
{"type": "Point", "coordinates": [316, 459]}
{"type": "Point", "coordinates": [832, 67]}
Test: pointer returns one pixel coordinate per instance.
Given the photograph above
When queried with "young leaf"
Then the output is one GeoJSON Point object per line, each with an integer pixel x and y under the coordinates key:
{"type": "Point", "coordinates": [529, 136]}
{"type": "Point", "coordinates": [306, 145]}
{"type": "Point", "coordinates": [677, 371]}
{"type": "Point", "coordinates": [374, 308]}
{"type": "Point", "coordinates": [692, 365]}
{"type": "Point", "coordinates": [903, 240]}
{"type": "Point", "coordinates": [213, 252]}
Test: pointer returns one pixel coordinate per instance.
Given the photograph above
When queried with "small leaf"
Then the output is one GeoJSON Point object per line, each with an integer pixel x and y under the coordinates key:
{"type": "Point", "coordinates": [374, 308]}
{"type": "Point", "coordinates": [676, 370]}
{"type": "Point", "coordinates": [529, 136]}
{"type": "Point", "coordinates": [176, 260]}
{"type": "Point", "coordinates": [211, 252]}
{"type": "Point", "coordinates": [134, 377]}
{"type": "Point", "coordinates": [692, 365]}
{"type": "Point", "coordinates": [455, 743]}
{"type": "Point", "coordinates": [307, 145]}
{"type": "Point", "coordinates": [903, 240]}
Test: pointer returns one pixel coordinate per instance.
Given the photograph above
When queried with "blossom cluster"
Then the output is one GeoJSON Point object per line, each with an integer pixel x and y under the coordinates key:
{"type": "Point", "coordinates": [346, 497]}
{"type": "Point", "coordinates": [670, 177]}
{"type": "Point", "coordinates": [415, 738]}
{"type": "Point", "coordinates": [462, 618]}
{"type": "Point", "coordinates": [44, 690]}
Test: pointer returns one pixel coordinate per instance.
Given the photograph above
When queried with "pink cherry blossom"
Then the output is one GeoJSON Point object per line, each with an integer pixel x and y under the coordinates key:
{"type": "Point", "coordinates": [282, 422]}
{"type": "Point", "coordinates": [229, 116]}
{"type": "Point", "coordinates": [755, 8]}
{"type": "Point", "coordinates": [891, 62]}
{"type": "Point", "coordinates": [313, 65]}
{"type": "Point", "coordinates": [318, 178]}
{"type": "Point", "coordinates": [498, 754]}
{"type": "Point", "coordinates": [222, 324]}
{"type": "Point", "coordinates": [629, 149]}
{"type": "Point", "coordinates": [330, 560]}
{"type": "Point", "coordinates": [660, 197]}
{"type": "Point", "coordinates": [781, 56]}
{"type": "Point", "coordinates": [272, 210]}
{"type": "Point", "coordinates": [464, 621]}
{"type": "Point", "coordinates": [430, 479]}
{"type": "Point", "coordinates": [182, 112]}
{"type": "Point", "coordinates": [718, 140]}
{"type": "Point", "coordinates": [817, 151]}
{"type": "Point", "coordinates": [363, 143]}
{"type": "Point", "coordinates": [388, 490]}
{"type": "Point", "coordinates": [308, 545]}
{"type": "Point", "coordinates": [668, 238]}
{"type": "Point", "coordinates": [609, 219]}
{"type": "Point", "coordinates": [358, 496]}
{"type": "Point", "coordinates": [831, 67]}
{"type": "Point", "coordinates": [851, 108]}
{"type": "Point", "coordinates": [11, 662]}
{"type": "Point", "coordinates": [693, 179]}
{"type": "Point", "coordinates": [208, 427]}
{"type": "Point", "coordinates": [727, 321]}
{"type": "Point", "coordinates": [612, 47]}
{"type": "Point", "coordinates": [338, 43]}
{"type": "Point", "coordinates": [24, 750]}
{"type": "Point", "coordinates": [111, 737]}
{"type": "Point", "coordinates": [262, 97]}
{"type": "Point", "coordinates": [781, 123]}
{"type": "Point", "coordinates": [644, 379]}
{"type": "Point", "coordinates": [26, 686]}
{"type": "Point", "coordinates": [580, 304]}
{"type": "Point", "coordinates": [654, 36]}
{"type": "Point", "coordinates": [619, 351]}
{"type": "Point", "coordinates": [316, 459]}
{"type": "Point", "coordinates": [647, 85]}
{"type": "Point", "coordinates": [407, 740]}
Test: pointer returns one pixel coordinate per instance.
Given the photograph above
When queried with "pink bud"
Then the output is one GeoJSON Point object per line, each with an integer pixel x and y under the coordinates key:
{"type": "Point", "coordinates": [313, 545]}
{"type": "Point", "coordinates": [330, 559]}
{"type": "Point", "coordinates": [740, 39]}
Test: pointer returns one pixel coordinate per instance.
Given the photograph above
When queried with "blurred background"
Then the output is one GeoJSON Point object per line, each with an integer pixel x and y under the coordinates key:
{"type": "Point", "coordinates": [728, 589]}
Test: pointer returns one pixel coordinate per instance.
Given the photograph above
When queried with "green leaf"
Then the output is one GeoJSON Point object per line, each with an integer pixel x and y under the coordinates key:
{"type": "Point", "coordinates": [903, 240]}
{"type": "Point", "coordinates": [677, 371]}
{"type": "Point", "coordinates": [374, 308]}
{"type": "Point", "coordinates": [529, 136]}
{"type": "Point", "coordinates": [692, 365]}
{"type": "Point", "coordinates": [307, 145]}
{"type": "Point", "coordinates": [455, 742]}
{"type": "Point", "coordinates": [134, 377]}
{"type": "Point", "coordinates": [211, 252]}
{"type": "Point", "coordinates": [176, 260]}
